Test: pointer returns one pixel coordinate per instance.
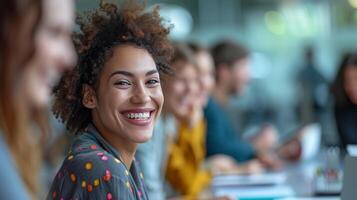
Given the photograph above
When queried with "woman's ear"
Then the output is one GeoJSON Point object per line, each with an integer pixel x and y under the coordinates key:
{"type": "Point", "coordinates": [89, 99]}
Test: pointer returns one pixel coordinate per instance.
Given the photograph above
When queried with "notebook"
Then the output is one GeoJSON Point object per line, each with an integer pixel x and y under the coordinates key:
{"type": "Point", "coordinates": [266, 186]}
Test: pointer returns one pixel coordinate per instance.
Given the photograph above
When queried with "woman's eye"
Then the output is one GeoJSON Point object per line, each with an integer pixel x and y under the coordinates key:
{"type": "Point", "coordinates": [153, 82]}
{"type": "Point", "coordinates": [122, 83]}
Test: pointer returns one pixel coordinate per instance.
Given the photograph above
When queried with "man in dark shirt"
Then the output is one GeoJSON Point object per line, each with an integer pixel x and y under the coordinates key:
{"type": "Point", "coordinates": [232, 75]}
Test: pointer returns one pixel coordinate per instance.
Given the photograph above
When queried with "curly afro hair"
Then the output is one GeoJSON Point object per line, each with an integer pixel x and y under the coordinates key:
{"type": "Point", "coordinates": [100, 31]}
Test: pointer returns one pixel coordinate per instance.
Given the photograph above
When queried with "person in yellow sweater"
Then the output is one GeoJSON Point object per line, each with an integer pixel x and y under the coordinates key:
{"type": "Point", "coordinates": [185, 168]}
{"type": "Point", "coordinates": [187, 172]}
{"type": "Point", "coordinates": [186, 149]}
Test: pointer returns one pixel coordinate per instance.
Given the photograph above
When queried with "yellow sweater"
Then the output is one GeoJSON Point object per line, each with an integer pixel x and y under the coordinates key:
{"type": "Point", "coordinates": [186, 156]}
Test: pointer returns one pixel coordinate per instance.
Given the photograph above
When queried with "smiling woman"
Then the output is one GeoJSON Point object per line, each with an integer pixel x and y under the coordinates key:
{"type": "Point", "coordinates": [111, 100]}
{"type": "Point", "coordinates": [129, 98]}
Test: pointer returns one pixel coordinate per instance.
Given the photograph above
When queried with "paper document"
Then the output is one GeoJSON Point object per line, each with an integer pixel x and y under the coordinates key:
{"type": "Point", "coordinates": [255, 193]}
{"type": "Point", "coordinates": [249, 180]}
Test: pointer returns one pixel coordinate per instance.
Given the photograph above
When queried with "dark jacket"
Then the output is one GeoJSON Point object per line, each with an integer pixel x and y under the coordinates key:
{"type": "Point", "coordinates": [346, 120]}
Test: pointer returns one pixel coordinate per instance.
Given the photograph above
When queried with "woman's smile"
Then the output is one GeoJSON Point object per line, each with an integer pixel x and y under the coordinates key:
{"type": "Point", "coordinates": [140, 116]}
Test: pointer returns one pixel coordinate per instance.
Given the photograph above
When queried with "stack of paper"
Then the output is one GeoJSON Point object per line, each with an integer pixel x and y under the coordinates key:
{"type": "Point", "coordinates": [252, 187]}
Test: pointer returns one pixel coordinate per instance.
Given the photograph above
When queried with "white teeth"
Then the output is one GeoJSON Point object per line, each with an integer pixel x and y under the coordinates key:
{"type": "Point", "coordinates": [139, 116]}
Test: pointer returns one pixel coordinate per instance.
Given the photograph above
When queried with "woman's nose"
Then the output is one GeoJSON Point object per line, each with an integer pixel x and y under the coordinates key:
{"type": "Point", "coordinates": [141, 94]}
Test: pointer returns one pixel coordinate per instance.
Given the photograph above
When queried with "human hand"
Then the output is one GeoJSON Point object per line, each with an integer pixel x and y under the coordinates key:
{"type": "Point", "coordinates": [270, 160]}
{"type": "Point", "coordinates": [221, 164]}
{"type": "Point", "coordinates": [251, 167]}
{"type": "Point", "coordinates": [266, 139]}
{"type": "Point", "coordinates": [291, 150]}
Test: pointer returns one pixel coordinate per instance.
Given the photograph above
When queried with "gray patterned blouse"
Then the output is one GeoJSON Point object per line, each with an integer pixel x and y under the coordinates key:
{"type": "Point", "coordinates": [93, 170]}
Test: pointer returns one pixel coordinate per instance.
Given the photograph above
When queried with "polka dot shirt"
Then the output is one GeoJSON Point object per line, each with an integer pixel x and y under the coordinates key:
{"type": "Point", "coordinates": [93, 170]}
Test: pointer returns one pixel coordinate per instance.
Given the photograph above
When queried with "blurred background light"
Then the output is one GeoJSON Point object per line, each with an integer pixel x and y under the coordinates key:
{"type": "Point", "coordinates": [353, 3]}
{"type": "Point", "coordinates": [180, 18]}
{"type": "Point", "coordinates": [275, 22]}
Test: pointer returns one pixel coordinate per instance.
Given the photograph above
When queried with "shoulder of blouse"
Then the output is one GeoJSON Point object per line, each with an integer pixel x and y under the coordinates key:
{"type": "Point", "coordinates": [90, 160]}
{"type": "Point", "coordinates": [88, 169]}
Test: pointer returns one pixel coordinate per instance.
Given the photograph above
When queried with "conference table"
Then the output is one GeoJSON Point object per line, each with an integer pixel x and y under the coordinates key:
{"type": "Point", "coordinates": [297, 181]}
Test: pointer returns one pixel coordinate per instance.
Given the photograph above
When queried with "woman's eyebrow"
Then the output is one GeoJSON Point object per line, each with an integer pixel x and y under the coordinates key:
{"type": "Point", "coordinates": [154, 71]}
{"type": "Point", "coordinates": [126, 73]}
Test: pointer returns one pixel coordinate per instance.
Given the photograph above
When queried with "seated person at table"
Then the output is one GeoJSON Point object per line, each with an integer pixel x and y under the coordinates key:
{"type": "Point", "coordinates": [345, 92]}
{"type": "Point", "coordinates": [232, 74]}
{"type": "Point", "coordinates": [186, 150]}
{"type": "Point", "coordinates": [220, 163]}
{"type": "Point", "coordinates": [111, 101]}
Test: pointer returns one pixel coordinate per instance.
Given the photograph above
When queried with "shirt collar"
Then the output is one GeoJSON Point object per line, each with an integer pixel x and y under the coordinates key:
{"type": "Point", "coordinates": [101, 141]}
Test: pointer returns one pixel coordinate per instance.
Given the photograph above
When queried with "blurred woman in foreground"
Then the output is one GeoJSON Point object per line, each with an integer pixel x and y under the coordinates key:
{"type": "Point", "coordinates": [35, 48]}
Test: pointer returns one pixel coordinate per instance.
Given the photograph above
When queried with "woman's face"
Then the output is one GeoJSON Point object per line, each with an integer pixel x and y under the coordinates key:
{"type": "Point", "coordinates": [206, 78]}
{"type": "Point", "coordinates": [54, 52]}
{"type": "Point", "coordinates": [350, 83]}
{"type": "Point", "coordinates": [181, 90]}
{"type": "Point", "coordinates": [129, 98]}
